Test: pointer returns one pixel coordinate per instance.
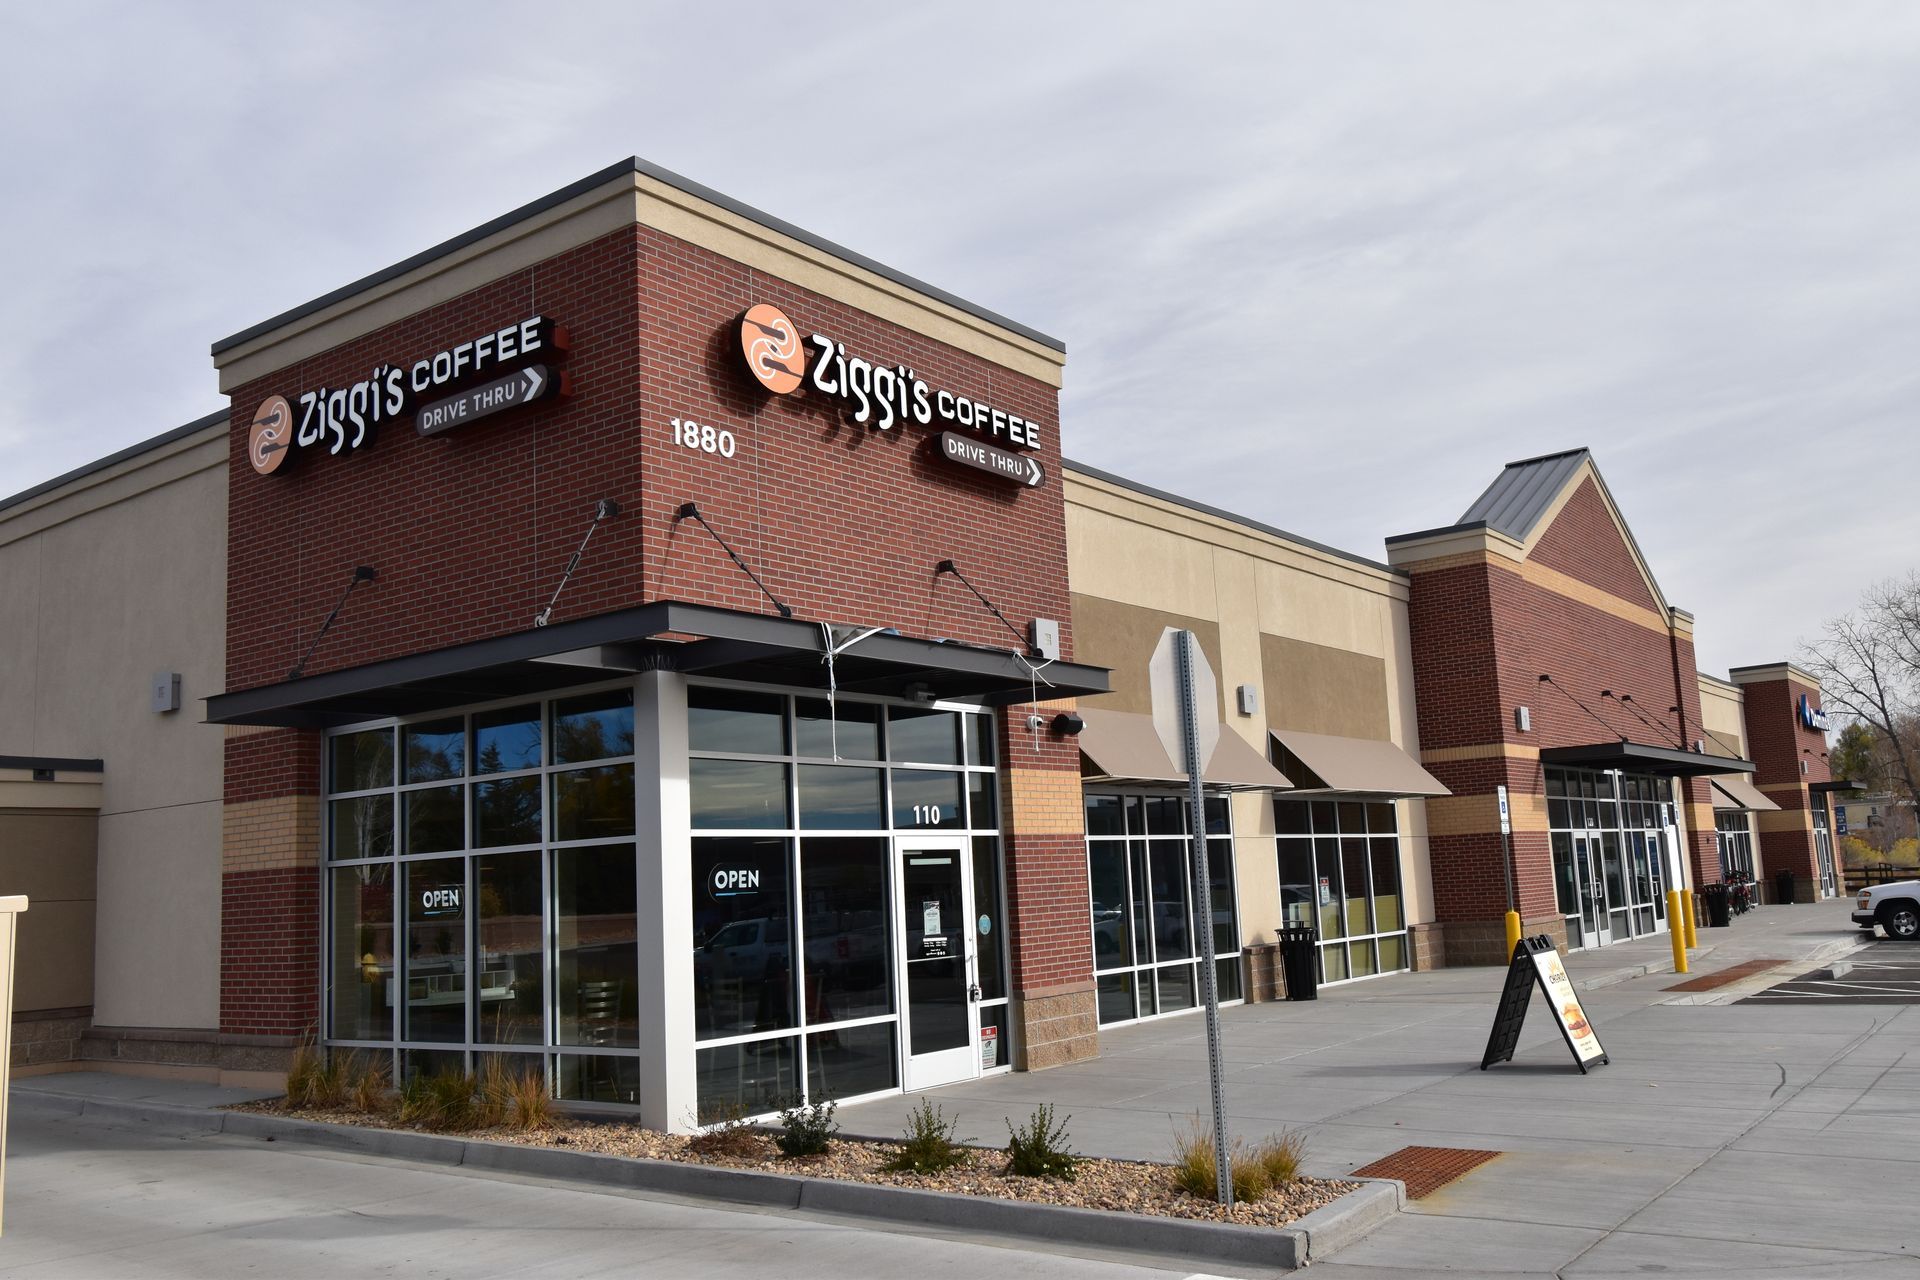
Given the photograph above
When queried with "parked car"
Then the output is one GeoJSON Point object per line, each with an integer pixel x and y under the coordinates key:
{"type": "Point", "coordinates": [1894, 907]}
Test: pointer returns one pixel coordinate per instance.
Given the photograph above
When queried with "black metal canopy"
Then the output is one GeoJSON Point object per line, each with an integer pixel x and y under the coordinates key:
{"type": "Point", "coordinates": [1837, 784]}
{"type": "Point", "coordinates": [1640, 757]}
{"type": "Point", "coordinates": [663, 636]}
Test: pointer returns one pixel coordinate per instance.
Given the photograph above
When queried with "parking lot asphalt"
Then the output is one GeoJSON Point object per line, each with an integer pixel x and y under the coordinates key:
{"type": "Point", "coordinates": [1885, 972]}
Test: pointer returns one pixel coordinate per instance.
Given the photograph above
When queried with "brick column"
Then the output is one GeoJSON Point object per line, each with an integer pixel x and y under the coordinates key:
{"type": "Point", "coordinates": [1463, 837]}
{"type": "Point", "coordinates": [1780, 746]}
{"type": "Point", "coordinates": [270, 889]}
{"type": "Point", "coordinates": [1050, 931]}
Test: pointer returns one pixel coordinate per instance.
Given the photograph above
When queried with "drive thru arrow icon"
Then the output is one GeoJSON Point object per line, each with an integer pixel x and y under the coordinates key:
{"type": "Point", "coordinates": [1034, 474]}
{"type": "Point", "coordinates": [536, 380]}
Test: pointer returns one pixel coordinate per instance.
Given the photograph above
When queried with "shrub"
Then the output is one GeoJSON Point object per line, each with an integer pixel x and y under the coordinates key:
{"type": "Point", "coordinates": [806, 1129]}
{"type": "Point", "coordinates": [1195, 1168]}
{"type": "Point", "coordinates": [316, 1078]}
{"type": "Point", "coordinates": [513, 1091]}
{"type": "Point", "coordinates": [369, 1083]}
{"type": "Point", "coordinates": [447, 1102]}
{"type": "Point", "coordinates": [1038, 1148]}
{"type": "Point", "coordinates": [928, 1145]}
{"type": "Point", "coordinates": [1281, 1156]}
{"type": "Point", "coordinates": [728, 1133]}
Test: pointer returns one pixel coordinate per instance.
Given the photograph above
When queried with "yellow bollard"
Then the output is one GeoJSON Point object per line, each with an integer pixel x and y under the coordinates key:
{"type": "Point", "coordinates": [1692, 914]}
{"type": "Point", "coordinates": [1513, 932]}
{"type": "Point", "coordinates": [1677, 930]}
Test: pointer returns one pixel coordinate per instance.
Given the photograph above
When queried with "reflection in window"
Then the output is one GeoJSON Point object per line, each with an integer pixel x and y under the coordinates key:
{"type": "Point", "coordinates": [362, 828]}
{"type": "Point", "coordinates": [850, 731]}
{"type": "Point", "coordinates": [737, 722]}
{"type": "Point", "coordinates": [593, 727]}
{"type": "Point", "coordinates": [746, 1079]}
{"type": "Point", "coordinates": [506, 811]}
{"type": "Point", "coordinates": [435, 750]}
{"type": "Point", "coordinates": [593, 804]}
{"type": "Point", "coordinates": [436, 976]}
{"type": "Point", "coordinates": [435, 820]}
{"type": "Point", "coordinates": [596, 945]}
{"type": "Point", "coordinates": [917, 735]}
{"type": "Point", "coordinates": [1172, 920]}
{"type": "Point", "coordinates": [745, 794]}
{"type": "Point", "coordinates": [361, 761]}
{"type": "Point", "coordinates": [361, 983]}
{"type": "Point", "coordinates": [742, 970]}
{"type": "Point", "coordinates": [506, 739]}
{"type": "Point", "coordinates": [844, 915]}
{"type": "Point", "coordinates": [849, 1061]}
{"type": "Point", "coordinates": [923, 799]}
{"type": "Point", "coordinates": [987, 922]}
{"type": "Point", "coordinates": [1107, 871]}
{"type": "Point", "coordinates": [580, 1077]}
{"type": "Point", "coordinates": [510, 967]}
{"type": "Point", "coordinates": [836, 798]}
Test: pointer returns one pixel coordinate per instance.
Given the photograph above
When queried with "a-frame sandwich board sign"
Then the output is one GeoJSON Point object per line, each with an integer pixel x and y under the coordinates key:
{"type": "Point", "coordinates": [1537, 960]}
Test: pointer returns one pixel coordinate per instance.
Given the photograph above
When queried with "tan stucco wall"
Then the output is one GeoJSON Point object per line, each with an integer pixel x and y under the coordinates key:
{"type": "Point", "coordinates": [1721, 711]}
{"type": "Point", "coordinates": [103, 582]}
{"type": "Point", "coordinates": [1323, 639]}
{"type": "Point", "coordinates": [48, 855]}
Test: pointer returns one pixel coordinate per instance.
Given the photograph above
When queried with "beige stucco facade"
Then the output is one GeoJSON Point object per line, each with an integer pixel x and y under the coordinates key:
{"type": "Point", "coordinates": [106, 579]}
{"type": "Point", "coordinates": [1322, 638]}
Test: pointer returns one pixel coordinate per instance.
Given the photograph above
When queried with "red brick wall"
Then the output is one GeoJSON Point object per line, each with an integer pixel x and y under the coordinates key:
{"type": "Point", "coordinates": [1778, 742]}
{"type": "Point", "coordinates": [1584, 543]}
{"type": "Point", "coordinates": [470, 530]}
{"type": "Point", "coordinates": [1482, 636]}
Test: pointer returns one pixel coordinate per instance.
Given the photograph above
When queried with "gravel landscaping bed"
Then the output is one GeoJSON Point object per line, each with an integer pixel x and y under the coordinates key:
{"type": "Point", "coordinates": [1125, 1186]}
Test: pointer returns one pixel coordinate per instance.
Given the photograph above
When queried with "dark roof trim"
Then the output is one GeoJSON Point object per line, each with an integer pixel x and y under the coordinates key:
{"type": "Point", "coordinates": [1836, 784]}
{"type": "Point", "coordinates": [1646, 758]}
{"type": "Point", "coordinates": [631, 165]}
{"type": "Point", "coordinates": [633, 640]}
{"type": "Point", "coordinates": [101, 464]}
{"type": "Point", "coordinates": [1434, 533]}
{"type": "Point", "coordinates": [60, 764]}
{"type": "Point", "coordinates": [1203, 508]}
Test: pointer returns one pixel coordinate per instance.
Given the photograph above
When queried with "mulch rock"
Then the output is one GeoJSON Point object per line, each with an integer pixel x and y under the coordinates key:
{"type": "Point", "coordinates": [1123, 1186]}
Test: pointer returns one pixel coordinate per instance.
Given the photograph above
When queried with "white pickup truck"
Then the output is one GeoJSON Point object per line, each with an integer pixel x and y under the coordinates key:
{"type": "Point", "coordinates": [1894, 907]}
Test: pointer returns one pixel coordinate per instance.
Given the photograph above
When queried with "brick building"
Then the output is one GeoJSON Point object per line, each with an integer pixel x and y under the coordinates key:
{"type": "Point", "coordinates": [655, 644]}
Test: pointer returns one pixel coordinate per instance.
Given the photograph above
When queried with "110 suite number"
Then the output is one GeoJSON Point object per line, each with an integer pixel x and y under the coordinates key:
{"type": "Point", "coordinates": [689, 434]}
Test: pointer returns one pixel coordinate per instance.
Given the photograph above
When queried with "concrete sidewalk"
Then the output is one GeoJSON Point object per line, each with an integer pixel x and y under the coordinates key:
{"type": "Point", "coordinates": [1718, 1138]}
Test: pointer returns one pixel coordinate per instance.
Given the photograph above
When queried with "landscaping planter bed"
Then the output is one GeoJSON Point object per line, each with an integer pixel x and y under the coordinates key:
{"type": "Point", "coordinates": [1121, 1186]}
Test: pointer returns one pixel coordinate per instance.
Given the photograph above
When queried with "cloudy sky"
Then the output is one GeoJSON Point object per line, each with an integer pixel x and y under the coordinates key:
{"type": "Point", "coordinates": [1329, 266]}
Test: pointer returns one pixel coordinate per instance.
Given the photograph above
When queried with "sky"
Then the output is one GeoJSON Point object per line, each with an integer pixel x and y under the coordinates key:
{"type": "Point", "coordinates": [1326, 266]}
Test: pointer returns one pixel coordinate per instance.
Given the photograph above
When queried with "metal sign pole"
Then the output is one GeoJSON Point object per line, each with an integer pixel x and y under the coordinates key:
{"type": "Point", "coordinates": [1203, 914]}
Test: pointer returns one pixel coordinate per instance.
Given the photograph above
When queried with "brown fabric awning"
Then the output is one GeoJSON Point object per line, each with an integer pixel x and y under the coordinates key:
{"type": "Point", "coordinates": [1356, 766]}
{"type": "Point", "coordinates": [1734, 791]}
{"type": "Point", "coordinates": [1121, 746]}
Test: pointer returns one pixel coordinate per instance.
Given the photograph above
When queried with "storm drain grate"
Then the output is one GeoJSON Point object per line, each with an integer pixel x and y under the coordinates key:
{"type": "Point", "coordinates": [1425, 1169]}
{"type": "Point", "coordinates": [1733, 973]}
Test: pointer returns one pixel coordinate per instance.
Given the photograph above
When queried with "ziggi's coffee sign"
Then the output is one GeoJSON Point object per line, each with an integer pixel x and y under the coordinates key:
{"type": "Point", "coordinates": [340, 419]}
{"type": "Point", "coordinates": [882, 396]}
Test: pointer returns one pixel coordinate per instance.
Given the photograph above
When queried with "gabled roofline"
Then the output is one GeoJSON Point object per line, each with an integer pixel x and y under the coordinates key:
{"type": "Point", "coordinates": [132, 451]}
{"type": "Point", "coordinates": [626, 168]}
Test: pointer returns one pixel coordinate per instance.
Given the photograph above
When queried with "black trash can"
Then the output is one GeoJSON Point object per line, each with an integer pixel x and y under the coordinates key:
{"type": "Point", "coordinates": [1299, 961]}
{"type": "Point", "coordinates": [1719, 902]}
{"type": "Point", "coordinates": [1783, 886]}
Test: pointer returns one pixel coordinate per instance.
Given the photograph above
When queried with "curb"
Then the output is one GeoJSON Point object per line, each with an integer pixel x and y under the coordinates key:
{"type": "Point", "coordinates": [1309, 1238]}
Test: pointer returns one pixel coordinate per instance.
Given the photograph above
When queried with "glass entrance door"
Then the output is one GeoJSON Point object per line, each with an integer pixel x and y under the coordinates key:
{"type": "Point", "coordinates": [937, 961]}
{"type": "Point", "coordinates": [1823, 850]}
{"type": "Point", "coordinates": [1593, 903]}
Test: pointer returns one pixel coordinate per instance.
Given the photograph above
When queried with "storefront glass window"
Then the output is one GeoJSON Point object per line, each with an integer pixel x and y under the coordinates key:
{"type": "Point", "coordinates": [1340, 872]}
{"type": "Point", "coordinates": [510, 934]}
{"type": "Point", "coordinates": [798, 947]}
{"type": "Point", "coordinates": [1611, 847]}
{"type": "Point", "coordinates": [1139, 867]}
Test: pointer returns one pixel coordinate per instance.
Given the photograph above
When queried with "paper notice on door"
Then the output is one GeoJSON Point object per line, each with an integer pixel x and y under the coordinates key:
{"type": "Point", "coordinates": [930, 913]}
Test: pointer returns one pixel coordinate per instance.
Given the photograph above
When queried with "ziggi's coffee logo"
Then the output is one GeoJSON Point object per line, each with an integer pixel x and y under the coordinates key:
{"type": "Point", "coordinates": [876, 394]}
{"type": "Point", "coordinates": [271, 436]}
{"type": "Point", "coordinates": [771, 344]}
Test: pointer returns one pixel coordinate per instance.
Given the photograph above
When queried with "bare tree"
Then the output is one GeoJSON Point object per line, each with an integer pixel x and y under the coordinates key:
{"type": "Point", "coordinates": [1868, 663]}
